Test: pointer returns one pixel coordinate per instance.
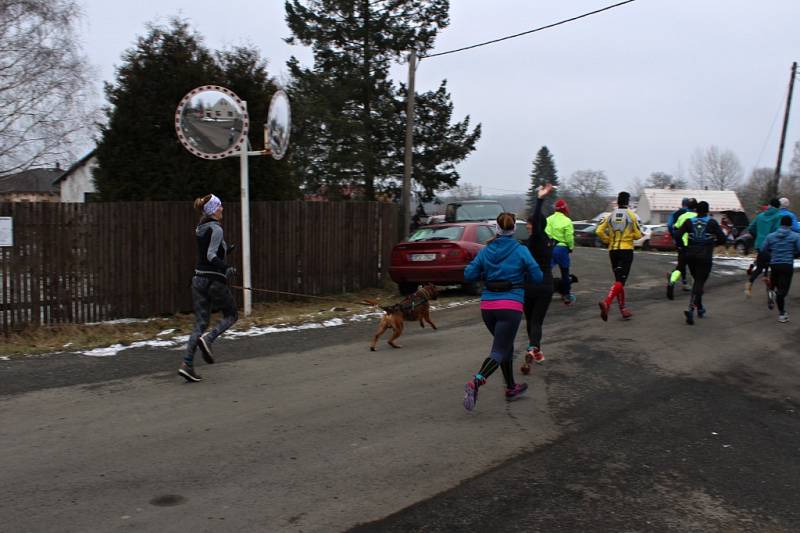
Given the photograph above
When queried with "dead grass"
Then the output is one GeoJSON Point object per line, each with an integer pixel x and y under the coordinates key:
{"type": "Point", "coordinates": [78, 337]}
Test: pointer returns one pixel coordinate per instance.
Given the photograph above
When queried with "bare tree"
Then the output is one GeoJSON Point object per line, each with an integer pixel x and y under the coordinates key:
{"type": "Point", "coordinates": [715, 169]}
{"type": "Point", "coordinates": [586, 193]}
{"type": "Point", "coordinates": [752, 194]}
{"type": "Point", "coordinates": [46, 93]}
{"type": "Point", "coordinates": [465, 191]}
{"type": "Point", "coordinates": [662, 180]}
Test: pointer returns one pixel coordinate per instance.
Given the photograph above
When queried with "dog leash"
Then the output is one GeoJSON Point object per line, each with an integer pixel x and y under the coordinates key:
{"type": "Point", "coordinates": [327, 298]}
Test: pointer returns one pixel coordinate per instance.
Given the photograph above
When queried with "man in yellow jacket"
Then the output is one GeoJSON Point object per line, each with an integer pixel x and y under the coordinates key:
{"type": "Point", "coordinates": [618, 230]}
{"type": "Point", "coordinates": [559, 229]}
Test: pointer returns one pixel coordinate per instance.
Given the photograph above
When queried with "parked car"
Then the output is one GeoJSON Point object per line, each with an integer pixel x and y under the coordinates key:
{"type": "Point", "coordinates": [643, 242]}
{"type": "Point", "coordinates": [586, 236]}
{"type": "Point", "coordinates": [661, 239]}
{"type": "Point", "coordinates": [438, 254]}
{"type": "Point", "coordinates": [744, 243]}
{"type": "Point", "coordinates": [472, 211]}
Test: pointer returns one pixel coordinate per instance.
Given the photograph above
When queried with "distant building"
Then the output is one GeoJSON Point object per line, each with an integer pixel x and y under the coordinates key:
{"type": "Point", "coordinates": [222, 110]}
{"type": "Point", "coordinates": [32, 185]}
{"type": "Point", "coordinates": [655, 205]}
{"type": "Point", "coordinates": [77, 182]}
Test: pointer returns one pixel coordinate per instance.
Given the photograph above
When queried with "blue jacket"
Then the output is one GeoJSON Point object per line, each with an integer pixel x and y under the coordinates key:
{"type": "Point", "coordinates": [673, 218]}
{"type": "Point", "coordinates": [782, 245]}
{"type": "Point", "coordinates": [782, 212]}
{"type": "Point", "coordinates": [504, 259]}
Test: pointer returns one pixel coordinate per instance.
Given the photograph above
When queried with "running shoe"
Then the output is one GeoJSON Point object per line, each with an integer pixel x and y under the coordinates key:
{"type": "Point", "coordinates": [569, 299]}
{"type": "Point", "coordinates": [205, 350]}
{"type": "Point", "coordinates": [670, 288]}
{"type": "Point", "coordinates": [783, 317]}
{"type": "Point", "coordinates": [538, 356]}
{"type": "Point", "coordinates": [603, 311]}
{"type": "Point", "coordinates": [701, 312]}
{"type": "Point", "coordinates": [748, 289]}
{"type": "Point", "coordinates": [516, 392]}
{"type": "Point", "coordinates": [626, 313]}
{"type": "Point", "coordinates": [526, 366]}
{"type": "Point", "coordinates": [471, 393]}
{"type": "Point", "coordinates": [689, 317]}
{"type": "Point", "coordinates": [188, 373]}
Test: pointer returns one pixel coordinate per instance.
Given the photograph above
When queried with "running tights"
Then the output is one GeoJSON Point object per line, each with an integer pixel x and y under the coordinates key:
{"type": "Point", "coordinates": [781, 279]}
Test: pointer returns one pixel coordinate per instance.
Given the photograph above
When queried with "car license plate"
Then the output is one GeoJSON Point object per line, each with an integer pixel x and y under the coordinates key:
{"type": "Point", "coordinates": [423, 257]}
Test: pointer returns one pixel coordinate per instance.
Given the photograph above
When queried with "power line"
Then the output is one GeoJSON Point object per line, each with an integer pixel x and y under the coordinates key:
{"type": "Point", "coordinates": [529, 31]}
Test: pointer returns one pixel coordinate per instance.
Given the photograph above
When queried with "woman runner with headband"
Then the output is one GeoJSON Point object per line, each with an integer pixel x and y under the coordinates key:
{"type": "Point", "coordinates": [209, 285]}
{"type": "Point", "coordinates": [504, 264]}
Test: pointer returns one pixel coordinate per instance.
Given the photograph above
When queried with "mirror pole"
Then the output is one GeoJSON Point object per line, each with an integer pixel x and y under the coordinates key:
{"type": "Point", "coordinates": [410, 96]}
{"type": "Point", "coordinates": [244, 174]}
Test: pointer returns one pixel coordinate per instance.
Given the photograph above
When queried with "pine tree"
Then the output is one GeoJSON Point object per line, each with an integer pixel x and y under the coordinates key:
{"type": "Point", "coordinates": [351, 117]}
{"type": "Point", "coordinates": [544, 171]}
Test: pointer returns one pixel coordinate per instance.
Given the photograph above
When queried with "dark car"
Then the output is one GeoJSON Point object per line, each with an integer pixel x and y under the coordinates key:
{"type": "Point", "coordinates": [661, 239]}
{"type": "Point", "coordinates": [586, 236]}
{"type": "Point", "coordinates": [438, 254]}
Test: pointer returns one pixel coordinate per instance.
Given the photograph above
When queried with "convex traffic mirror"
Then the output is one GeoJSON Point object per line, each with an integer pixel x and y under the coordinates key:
{"type": "Point", "coordinates": [211, 122]}
{"type": "Point", "coordinates": [279, 124]}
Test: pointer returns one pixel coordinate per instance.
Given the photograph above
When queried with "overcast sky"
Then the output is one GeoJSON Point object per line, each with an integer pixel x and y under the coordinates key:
{"type": "Point", "coordinates": [629, 91]}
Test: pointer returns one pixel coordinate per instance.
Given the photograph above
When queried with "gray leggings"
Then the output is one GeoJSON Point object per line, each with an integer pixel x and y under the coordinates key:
{"type": "Point", "coordinates": [209, 295]}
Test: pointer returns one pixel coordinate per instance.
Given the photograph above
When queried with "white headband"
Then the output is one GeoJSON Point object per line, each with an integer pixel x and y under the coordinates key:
{"type": "Point", "coordinates": [212, 205]}
{"type": "Point", "coordinates": [503, 232]}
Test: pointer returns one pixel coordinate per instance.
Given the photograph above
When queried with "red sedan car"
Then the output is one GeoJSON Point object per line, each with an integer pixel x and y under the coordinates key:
{"type": "Point", "coordinates": [438, 254]}
{"type": "Point", "coordinates": [660, 239]}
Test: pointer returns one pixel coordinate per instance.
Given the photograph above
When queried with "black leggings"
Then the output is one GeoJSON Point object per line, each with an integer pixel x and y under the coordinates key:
{"type": "Point", "coordinates": [762, 265]}
{"type": "Point", "coordinates": [621, 261]}
{"type": "Point", "coordinates": [781, 278]}
{"type": "Point", "coordinates": [537, 301]}
{"type": "Point", "coordinates": [503, 325]}
{"type": "Point", "coordinates": [700, 268]}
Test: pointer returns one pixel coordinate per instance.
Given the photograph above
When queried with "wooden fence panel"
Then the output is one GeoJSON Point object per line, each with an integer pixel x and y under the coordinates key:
{"type": "Point", "coordinates": [82, 263]}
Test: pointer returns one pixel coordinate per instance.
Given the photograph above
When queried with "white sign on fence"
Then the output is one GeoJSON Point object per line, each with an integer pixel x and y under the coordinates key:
{"type": "Point", "coordinates": [6, 231]}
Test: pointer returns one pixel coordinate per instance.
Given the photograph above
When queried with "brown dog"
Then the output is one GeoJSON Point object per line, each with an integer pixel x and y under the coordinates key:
{"type": "Point", "coordinates": [414, 307]}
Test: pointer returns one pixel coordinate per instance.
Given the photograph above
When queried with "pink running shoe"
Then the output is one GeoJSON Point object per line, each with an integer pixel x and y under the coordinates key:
{"type": "Point", "coordinates": [538, 356]}
{"type": "Point", "coordinates": [518, 390]}
{"type": "Point", "coordinates": [471, 393]}
{"type": "Point", "coordinates": [626, 313]}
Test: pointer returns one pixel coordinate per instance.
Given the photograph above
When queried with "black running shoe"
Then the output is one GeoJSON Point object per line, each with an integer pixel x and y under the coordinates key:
{"type": "Point", "coordinates": [689, 317]}
{"type": "Point", "coordinates": [670, 289]}
{"type": "Point", "coordinates": [205, 350]}
{"type": "Point", "coordinates": [188, 373]}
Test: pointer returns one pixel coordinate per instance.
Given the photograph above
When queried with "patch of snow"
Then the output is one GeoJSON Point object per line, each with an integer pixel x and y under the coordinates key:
{"type": "Point", "coordinates": [4, 358]}
{"type": "Point", "coordinates": [165, 332]}
{"type": "Point", "coordinates": [122, 321]}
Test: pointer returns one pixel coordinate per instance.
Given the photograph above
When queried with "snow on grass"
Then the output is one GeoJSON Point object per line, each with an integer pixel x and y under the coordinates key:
{"type": "Point", "coordinates": [177, 342]}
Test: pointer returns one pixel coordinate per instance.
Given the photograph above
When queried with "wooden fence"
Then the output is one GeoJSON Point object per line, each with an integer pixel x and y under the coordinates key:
{"type": "Point", "coordinates": [83, 263]}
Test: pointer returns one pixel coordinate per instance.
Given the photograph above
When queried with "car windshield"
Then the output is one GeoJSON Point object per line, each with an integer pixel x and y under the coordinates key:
{"type": "Point", "coordinates": [577, 226]}
{"type": "Point", "coordinates": [441, 233]}
{"type": "Point", "coordinates": [474, 211]}
{"type": "Point", "coordinates": [588, 228]}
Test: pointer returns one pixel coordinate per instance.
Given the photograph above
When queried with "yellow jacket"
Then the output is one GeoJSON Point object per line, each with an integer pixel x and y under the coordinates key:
{"type": "Point", "coordinates": [619, 229]}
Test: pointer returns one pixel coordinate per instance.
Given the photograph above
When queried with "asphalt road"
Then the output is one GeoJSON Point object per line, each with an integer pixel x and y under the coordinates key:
{"type": "Point", "coordinates": [646, 425]}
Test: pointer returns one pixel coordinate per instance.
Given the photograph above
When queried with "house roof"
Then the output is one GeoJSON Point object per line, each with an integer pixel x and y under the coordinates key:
{"type": "Point", "coordinates": [75, 166]}
{"type": "Point", "coordinates": [31, 180]}
{"type": "Point", "coordinates": [670, 199]}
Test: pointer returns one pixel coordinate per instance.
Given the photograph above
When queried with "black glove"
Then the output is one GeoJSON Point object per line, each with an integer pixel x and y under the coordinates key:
{"type": "Point", "coordinates": [230, 273]}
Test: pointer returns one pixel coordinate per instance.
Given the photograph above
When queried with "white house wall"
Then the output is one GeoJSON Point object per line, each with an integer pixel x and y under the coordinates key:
{"type": "Point", "coordinates": [78, 183]}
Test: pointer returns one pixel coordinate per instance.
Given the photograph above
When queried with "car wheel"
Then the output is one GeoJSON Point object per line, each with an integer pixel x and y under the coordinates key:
{"type": "Point", "coordinates": [741, 249]}
{"type": "Point", "coordinates": [646, 246]}
{"type": "Point", "coordinates": [407, 288]}
{"type": "Point", "coordinates": [472, 289]}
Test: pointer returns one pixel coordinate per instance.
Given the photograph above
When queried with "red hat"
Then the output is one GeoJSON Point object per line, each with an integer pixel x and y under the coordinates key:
{"type": "Point", "coordinates": [561, 205]}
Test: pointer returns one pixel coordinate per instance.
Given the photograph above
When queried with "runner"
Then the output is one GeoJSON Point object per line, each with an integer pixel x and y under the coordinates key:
{"type": "Point", "coordinates": [785, 211]}
{"type": "Point", "coordinates": [702, 234]}
{"type": "Point", "coordinates": [210, 289]}
{"type": "Point", "coordinates": [685, 212]}
{"type": "Point", "coordinates": [618, 230]}
{"type": "Point", "coordinates": [560, 229]}
{"type": "Point", "coordinates": [538, 295]}
{"type": "Point", "coordinates": [783, 246]}
{"type": "Point", "coordinates": [765, 223]}
{"type": "Point", "coordinates": [503, 265]}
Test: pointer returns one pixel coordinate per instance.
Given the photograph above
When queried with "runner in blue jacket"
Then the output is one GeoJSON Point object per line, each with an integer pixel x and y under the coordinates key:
{"type": "Point", "coordinates": [783, 246]}
{"type": "Point", "coordinates": [504, 265]}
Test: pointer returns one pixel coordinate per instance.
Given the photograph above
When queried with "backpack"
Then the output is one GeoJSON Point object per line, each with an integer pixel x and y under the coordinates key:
{"type": "Point", "coordinates": [699, 235]}
{"type": "Point", "coordinates": [619, 220]}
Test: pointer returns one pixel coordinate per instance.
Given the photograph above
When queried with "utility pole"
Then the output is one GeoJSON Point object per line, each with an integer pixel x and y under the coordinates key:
{"type": "Point", "coordinates": [410, 97]}
{"type": "Point", "coordinates": [776, 182]}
